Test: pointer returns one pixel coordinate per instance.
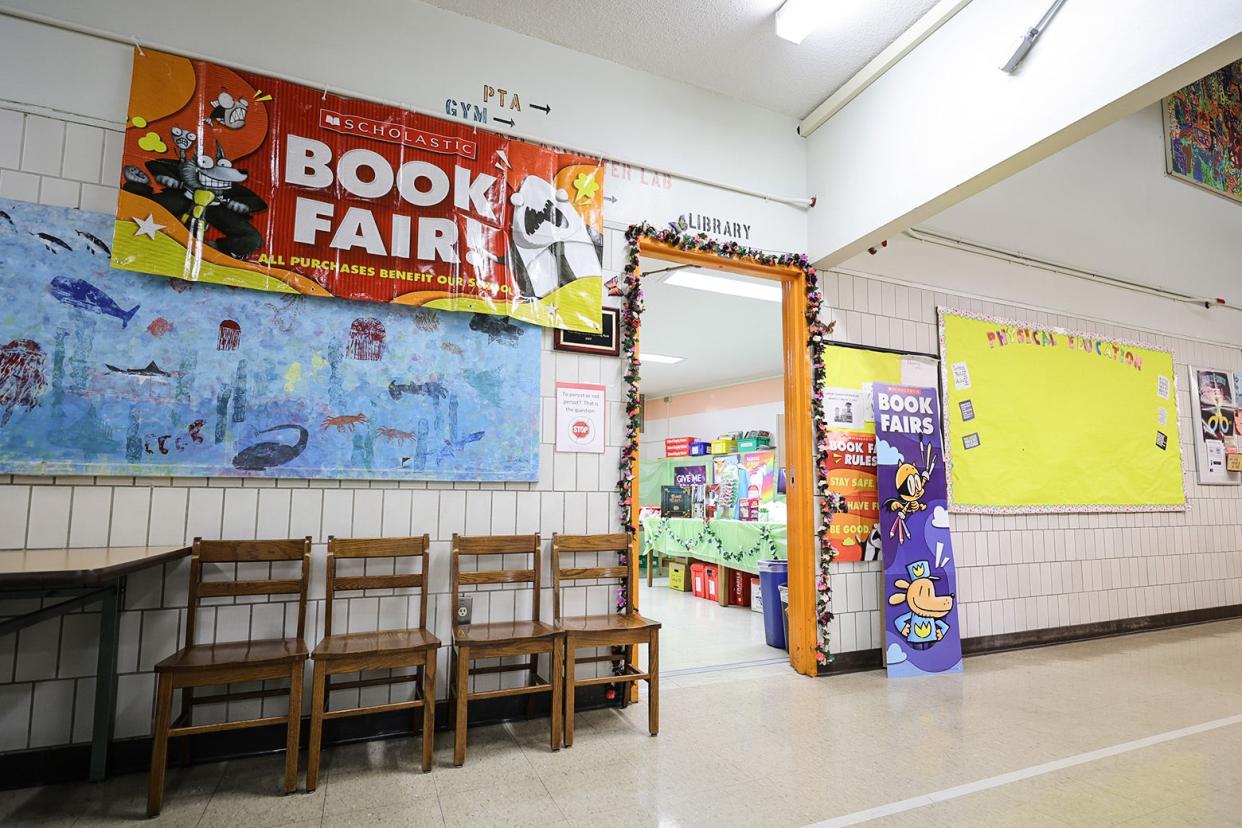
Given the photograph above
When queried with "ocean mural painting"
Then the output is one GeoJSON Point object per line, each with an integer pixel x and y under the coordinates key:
{"type": "Point", "coordinates": [106, 372]}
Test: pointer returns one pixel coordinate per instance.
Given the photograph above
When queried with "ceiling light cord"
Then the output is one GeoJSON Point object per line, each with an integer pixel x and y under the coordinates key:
{"type": "Point", "coordinates": [955, 243]}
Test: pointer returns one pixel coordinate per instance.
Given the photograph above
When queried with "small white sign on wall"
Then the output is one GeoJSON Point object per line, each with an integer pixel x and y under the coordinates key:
{"type": "Point", "coordinates": [580, 423]}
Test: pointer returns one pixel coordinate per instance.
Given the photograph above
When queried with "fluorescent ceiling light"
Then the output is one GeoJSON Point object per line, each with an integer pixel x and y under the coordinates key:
{"type": "Point", "coordinates": [798, 18]}
{"type": "Point", "coordinates": [719, 284]}
{"type": "Point", "coordinates": [660, 358]}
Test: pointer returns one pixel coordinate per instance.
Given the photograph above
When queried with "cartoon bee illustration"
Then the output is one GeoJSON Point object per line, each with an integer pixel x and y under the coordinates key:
{"type": "Point", "coordinates": [911, 483]}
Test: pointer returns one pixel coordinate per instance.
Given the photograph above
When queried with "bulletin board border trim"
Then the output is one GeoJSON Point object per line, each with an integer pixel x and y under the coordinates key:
{"type": "Point", "coordinates": [1064, 508]}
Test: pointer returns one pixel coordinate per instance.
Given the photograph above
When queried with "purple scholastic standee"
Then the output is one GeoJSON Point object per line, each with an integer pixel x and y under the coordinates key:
{"type": "Point", "coordinates": [921, 630]}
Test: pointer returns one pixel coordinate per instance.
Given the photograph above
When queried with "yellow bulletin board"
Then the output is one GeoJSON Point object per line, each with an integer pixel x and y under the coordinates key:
{"type": "Point", "coordinates": [1041, 419]}
{"type": "Point", "coordinates": [851, 368]}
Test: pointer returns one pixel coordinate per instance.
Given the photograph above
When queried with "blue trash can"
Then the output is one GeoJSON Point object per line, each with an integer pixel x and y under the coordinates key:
{"type": "Point", "coordinates": [773, 574]}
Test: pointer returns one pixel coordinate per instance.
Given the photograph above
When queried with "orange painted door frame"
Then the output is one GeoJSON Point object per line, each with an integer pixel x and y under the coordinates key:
{"type": "Point", "coordinates": [799, 453]}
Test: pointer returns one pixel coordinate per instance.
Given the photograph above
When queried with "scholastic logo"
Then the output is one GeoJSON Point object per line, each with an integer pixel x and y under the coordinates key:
{"type": "Point", "coordinates": [397, 134]}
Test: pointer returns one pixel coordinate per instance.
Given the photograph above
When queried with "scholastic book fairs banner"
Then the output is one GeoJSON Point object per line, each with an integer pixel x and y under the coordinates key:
{"type": "Point", "coordinates": [921, 629]}
{"type": "Point", "coordinates": [249, 181]}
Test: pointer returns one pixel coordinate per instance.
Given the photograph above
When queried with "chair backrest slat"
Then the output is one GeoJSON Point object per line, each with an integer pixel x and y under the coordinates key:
{"type": "Point", "coordinates": [220, 589]}
{"type": "Point", "coordinates": [355, 548]}
{"type": "Point", "coordinates": [247, 551]}
{"type": "Point", "coordinates": [496, 545]}
{"type": "Point", "coordinates": [224, 551]}
{"type": "Point", "coordinates": [617, 543]}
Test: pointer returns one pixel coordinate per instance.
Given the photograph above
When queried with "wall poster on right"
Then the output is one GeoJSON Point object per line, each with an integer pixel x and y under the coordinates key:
{"type": "Point", "coordinates": [1218, 448]}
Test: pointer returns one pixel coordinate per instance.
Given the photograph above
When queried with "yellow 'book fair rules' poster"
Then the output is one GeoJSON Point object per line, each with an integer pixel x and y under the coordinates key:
{"type": "Point", "coordinates": [1043, 419]}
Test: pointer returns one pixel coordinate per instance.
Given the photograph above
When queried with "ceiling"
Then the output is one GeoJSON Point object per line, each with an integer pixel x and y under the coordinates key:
{"type": "Point", "coordinates": [727, 46]}
{"type": "Point", "coordinates": [1106, 205]}
{"type": "Point", "coordinates": [724, 339]}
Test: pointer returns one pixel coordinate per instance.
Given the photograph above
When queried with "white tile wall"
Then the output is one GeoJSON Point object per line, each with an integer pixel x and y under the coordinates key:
{"type": "Point", "coordinates": [46, 672]}
{"type": "Point", "coordinates": [1026, 572]}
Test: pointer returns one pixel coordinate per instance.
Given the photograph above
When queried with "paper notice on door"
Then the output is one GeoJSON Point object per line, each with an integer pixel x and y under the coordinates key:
{"type": "Point", "coordinates": [845, 407]}
{"type": "Point", "coordinates": [961, 376]}
{"type": "Point", "coordinates": [1215, 450]}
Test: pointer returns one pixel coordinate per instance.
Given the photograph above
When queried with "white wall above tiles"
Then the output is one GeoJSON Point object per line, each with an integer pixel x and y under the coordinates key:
{"type": "Point", "coordinates": [1027, 572]}
{"type": "Point", "coordinates": [47, 679]}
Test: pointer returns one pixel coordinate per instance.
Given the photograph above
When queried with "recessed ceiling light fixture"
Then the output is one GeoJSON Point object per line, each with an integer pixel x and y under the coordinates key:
{"type": "Point", "coordinates": [798, 18]}
{"type": "Point", "coordinates": [660, 358]}
{"type": "Point", "coordinates": [719, 284]}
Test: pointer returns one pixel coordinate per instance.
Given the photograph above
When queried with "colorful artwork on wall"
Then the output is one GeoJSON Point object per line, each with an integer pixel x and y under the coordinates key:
{"type": "Point", "coordinates": [235, 178]}
{"type": "Point", "coordinates": [1203, 128]}
{"type": "Point", "coordinates": [105, 371]}
{"type": "Point", "coordinates": [921, 625]}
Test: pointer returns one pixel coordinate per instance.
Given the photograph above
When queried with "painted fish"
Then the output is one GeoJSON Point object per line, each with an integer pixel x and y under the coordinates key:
{"type": "Point", "coordinates": [150, 372]}
{"type": "Point", "coordinates": [268, 453]}
{"type": "Point", "coordinates": [94, 244]}
{"type": "Point", "coordinates": [52, 242]}
{"type": "Point", "coordinates": [451, 348]}
{"type": "Point", "coordinates": [433, 389]}
{"type": "Point", "coordinates": [451, 447]}
{"type": "Point", "coordinates": [159, 327]}
{"type": "Point", "coordinates": [497, 328]}
{"type": "Point", "coordinates": [6, 217]}
{"type": "Point", "coordinates": [78, 293]}
{"type": "Point", "coordinates": [179, 285]}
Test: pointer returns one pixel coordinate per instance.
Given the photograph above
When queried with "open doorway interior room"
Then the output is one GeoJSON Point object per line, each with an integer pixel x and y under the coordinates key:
{"type": "Point", "coordinates": [711, 490]}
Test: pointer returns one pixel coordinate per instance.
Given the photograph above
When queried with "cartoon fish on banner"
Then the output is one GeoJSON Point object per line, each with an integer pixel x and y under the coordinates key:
{"type": "Point", "coordinates": [150, 372]}
{"type": "Point", "coordinates": [94, 244]}
{"type": "Point", "coordinates": [79, 293]}
{"type": "Point", "coordinates": [269, 453]}
{"type": "Point", "coordinates": [52, 242]}
{"type": "Point", "coordinates": [498, 328]}
{"type": "Point", "coordinates": [433, 389]}
{"type": "Point", "coordinates": [159, 327]}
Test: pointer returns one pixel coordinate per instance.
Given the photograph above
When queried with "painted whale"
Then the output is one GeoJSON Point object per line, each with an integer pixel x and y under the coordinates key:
{"type": "Point", "coordinates": [79, 293]}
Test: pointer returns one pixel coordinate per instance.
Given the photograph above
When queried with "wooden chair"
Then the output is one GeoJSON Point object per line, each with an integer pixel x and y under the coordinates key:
{"type": "Point", "coordinates": [502, 638]}
{"type": "Point", "coordinates": [627, 629]}
{"type": "Point", "coordinates": [382, 650]}
{"type": "Point", "coordinates": [223, 663]}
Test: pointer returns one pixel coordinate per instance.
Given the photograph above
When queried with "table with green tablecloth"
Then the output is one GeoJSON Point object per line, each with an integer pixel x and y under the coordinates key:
{"type": "Point", "coordinates": [733, 544]}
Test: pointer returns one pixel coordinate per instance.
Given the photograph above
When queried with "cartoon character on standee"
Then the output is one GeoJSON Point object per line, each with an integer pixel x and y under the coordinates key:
{"type": "Point", "coordinates": [911, 483]}
{"type": "Point", "coordinates": [549, 243]}
{"type": "Point", "coordinates": [924, 624]}
{"type": "Point", "coordinates": [228, 111]}
{"type": "Point", "coordinates": [202, 191]}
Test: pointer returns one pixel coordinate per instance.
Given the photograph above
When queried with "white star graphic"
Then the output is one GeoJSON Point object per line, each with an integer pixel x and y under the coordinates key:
{"type": "Point", "coordinates": [147, 226]}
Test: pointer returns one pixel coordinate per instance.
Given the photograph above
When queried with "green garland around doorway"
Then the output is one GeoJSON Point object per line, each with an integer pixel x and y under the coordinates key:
{"type": "Point", "coordinates": [817, 334]}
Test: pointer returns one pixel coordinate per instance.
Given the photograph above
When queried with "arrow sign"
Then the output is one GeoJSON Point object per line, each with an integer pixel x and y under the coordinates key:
{"type": "Point", "coordinates": [503, 121]}
{"type": "Point", "coordinates": [612, 199]}
{"type": "Point", "coordinates": [546, 109]}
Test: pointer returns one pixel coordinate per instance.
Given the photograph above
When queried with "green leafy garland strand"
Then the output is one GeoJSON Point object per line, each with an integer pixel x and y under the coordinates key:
{"type": "Point", "coordinates": [817, 336]}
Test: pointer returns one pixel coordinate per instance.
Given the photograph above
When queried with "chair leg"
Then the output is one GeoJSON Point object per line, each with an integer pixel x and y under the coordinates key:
{"type": "Point", "coordinates": [184, 720]}
{"type": "Point", "coordinates": [318, 683]}
{"type": "Point", "coordinates": [159, 745]}
{"type": "Point", "coordinates": [295, 726]}
{"type": "Point", "coordinates": [627, 687]}
{"type": "Point", "coordinates": [558, 685]}
{"type": "Point", "coordinates": [531, 680]}
{"type": "Point", "coordinates": [463, 687]}
{"type": "Point", "coordinates": [429, 708]}
{"type": "Point", "coordinates": [570, 679]}
{"type": "Point", "coordinates": [653, 683]}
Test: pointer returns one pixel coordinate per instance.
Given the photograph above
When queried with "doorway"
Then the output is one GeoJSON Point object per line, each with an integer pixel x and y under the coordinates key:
{"type": "Point", "coordinates": [663, 253]}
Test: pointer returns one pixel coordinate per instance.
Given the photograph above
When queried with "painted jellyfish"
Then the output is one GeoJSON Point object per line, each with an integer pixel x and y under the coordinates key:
{"type": "Point", "coordinates": [21, 377]}
{"type": "Point", "coordinates": [230, 336]}
{"type": "Point", "coordinates": [366, 339]}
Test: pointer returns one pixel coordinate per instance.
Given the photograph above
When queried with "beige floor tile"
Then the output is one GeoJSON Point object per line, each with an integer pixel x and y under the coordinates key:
{"type": "Point", "coordinates": [251, 793]}
{"type": "Point", "coordinates": [424, 813]}
{"type": "Point", "coordinates": [511, 805]}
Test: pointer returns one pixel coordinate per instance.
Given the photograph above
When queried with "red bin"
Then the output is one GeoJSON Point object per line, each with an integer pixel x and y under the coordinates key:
{"type": "Point", "coordinates": [697, 580]}
{"type": "Point", "coordinates": [739, 588]}
{"type": "Point", "coordinates": [711, 580]}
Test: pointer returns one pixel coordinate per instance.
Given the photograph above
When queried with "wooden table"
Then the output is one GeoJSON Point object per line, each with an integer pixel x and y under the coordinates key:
{"type": "Point", "coordinates": [80, 577]}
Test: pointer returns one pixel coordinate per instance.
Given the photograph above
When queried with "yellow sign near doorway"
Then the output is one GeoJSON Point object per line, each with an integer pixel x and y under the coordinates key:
{"type": "Point", "coordinates": [1043, 419]}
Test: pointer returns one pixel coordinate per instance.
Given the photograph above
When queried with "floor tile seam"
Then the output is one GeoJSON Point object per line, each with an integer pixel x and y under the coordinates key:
{"type": "Point", "coordinates": [1000, 780]}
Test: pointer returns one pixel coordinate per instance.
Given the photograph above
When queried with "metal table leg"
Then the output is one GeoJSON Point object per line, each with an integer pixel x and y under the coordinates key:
{"type": "Point", "coordinates": [105, 678]}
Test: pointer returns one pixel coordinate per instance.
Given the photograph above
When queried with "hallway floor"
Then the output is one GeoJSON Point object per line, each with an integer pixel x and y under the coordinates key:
{"type": "Point", "coordinates": [701, 633]}
{"type": "Point", "coordinates": [1140, 730]}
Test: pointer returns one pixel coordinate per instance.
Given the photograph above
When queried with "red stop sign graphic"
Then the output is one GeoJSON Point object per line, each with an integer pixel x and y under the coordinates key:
{"type": "Point", "coordinates": [580, 430]}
